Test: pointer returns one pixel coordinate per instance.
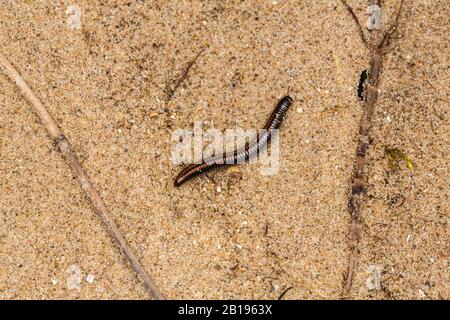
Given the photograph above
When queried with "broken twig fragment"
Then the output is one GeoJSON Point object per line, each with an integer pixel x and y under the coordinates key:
{"type": "Point", "coordinates": [284, 293]}
{"type": "Point", "coordinates": [182, 78]}
{"type": "Point", "coordinates": [362, 85]}
{"type": "Point", "coordinates": [394, 155]}
{"type": "Point", "coordinates": [62, 144]}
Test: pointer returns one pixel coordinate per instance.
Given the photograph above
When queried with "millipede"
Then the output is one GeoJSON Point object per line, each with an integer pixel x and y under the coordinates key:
{"type": "Point", "coordinates": [242, 154]}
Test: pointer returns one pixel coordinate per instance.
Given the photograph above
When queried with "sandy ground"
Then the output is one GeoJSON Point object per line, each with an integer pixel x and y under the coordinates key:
{"type": "Point", "coordinates": [234, 234]}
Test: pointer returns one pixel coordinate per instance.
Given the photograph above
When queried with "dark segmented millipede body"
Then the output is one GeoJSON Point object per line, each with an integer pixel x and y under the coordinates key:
{"type": "Point", "coordinates": [242, 154]}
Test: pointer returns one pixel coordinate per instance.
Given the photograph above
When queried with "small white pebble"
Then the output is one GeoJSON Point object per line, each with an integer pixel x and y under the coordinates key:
{"type": "Point", "coordinates": [244, 223]}
{"type": "Point", "coordinates": [120, 130]}
{"type": "Point", "coordinates": [408, 238]}
{"type": "Point", "coordinates": [218, 189]}
{"type": "Point", "coordinates": [307, 141]}
{"type": "Point", "coordinates": [421, 293]}
{"type": "Point", "coordinates": [219, 246]}
{"type": "Point", "coordinates": [432, 260]}
{"type": "Point", "coordinates": [388, 118]}
{"type": "Point", "coordinates": [55, 281]}
{"type": "Point", "coordinates": [90, 278]}
{"type": "Point", "coordinates": [299, 110]}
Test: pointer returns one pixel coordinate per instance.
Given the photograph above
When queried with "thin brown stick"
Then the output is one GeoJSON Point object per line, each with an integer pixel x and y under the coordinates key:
{"type": "Point", "coordinates": [66, 150]}
{"type": "Point", "coordinates": [358, 24]}
{"type": "Point", "coordinates": [392, 30]}
{"type": "Point", "coordinates": [182, 78]}
{"type": "Point", "coordinates": [358, 182]}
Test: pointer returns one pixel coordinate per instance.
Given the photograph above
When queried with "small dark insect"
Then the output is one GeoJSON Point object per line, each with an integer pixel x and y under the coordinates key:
{"type": "Point", "coordinates": [362, 84]}
{"type": "Point", "coordinates": [242, 154]}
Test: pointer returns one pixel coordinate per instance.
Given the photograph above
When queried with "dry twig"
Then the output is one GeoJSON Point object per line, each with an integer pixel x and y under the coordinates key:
{"type": "Point", "coordinates": [284, 293]}
{"type": "Point", "coordinates": [62, 144]}
{"type": "Point", "coordinates": [184, 75]}
{"type": "Point", "coordinates": [358, 182]}
{"type": "Point", "coordinates": [358, 24]}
